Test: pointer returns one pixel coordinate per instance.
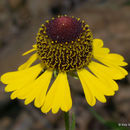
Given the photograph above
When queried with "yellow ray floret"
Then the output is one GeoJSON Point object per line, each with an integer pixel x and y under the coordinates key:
{"type": "Point", "coordinates": [58, 97]}
{"type": "Point", "coordinates": [106, 76]}
{"type": "Point", "coordinates": [31, 50]}
{"type": "Point", "coordinates": [22, 75]}
{"type": "Point", "coordinates": [87, 91]}
{"type": "Point", "coordinates": [98, 49]}
{"type": "Point", "coordinates": [96, 87]}
{"type": "Point", "coordinates": [35, 90]}
{"type": "Point", "coordinates": [29, 62]}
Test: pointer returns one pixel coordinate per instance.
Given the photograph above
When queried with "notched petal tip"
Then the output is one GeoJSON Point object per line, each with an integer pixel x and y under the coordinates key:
{"type": "Point", "coordinates": [4, 78]}
{"type": "Point", "coordinates": [7, 89]}
{"type": "Point", "coordinates": [93, 102]}
{"type": "Point", "coordinates": [13, 96]}
{"type": "Point", "coordinates": [125, 63]}
{"type": "Point", "coordinates": [44, 110]}
{"type": "Point", "coordinates": [26, 102]}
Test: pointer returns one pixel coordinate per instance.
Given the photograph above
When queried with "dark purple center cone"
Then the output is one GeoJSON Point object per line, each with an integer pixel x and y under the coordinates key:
{"type": "Point", "coordinates": [64, 29]}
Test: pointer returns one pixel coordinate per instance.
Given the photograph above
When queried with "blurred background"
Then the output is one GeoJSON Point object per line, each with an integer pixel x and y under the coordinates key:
{"type": "Point", "coordinates": [19, 24]}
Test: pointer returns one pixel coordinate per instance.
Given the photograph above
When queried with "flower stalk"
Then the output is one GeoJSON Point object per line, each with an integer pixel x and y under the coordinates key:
{"type": "Point", "coordinates": [66, 118]}
{"type": "Point", "coordinates": [69, 126]}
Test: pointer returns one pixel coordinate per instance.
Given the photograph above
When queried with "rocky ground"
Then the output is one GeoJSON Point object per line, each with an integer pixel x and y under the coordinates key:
{"type": "Point", "coordinates": [19, 23]}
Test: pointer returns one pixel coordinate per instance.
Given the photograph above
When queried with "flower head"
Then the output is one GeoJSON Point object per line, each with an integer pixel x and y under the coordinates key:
{"type": "Point", "coordinates": [65, 44]}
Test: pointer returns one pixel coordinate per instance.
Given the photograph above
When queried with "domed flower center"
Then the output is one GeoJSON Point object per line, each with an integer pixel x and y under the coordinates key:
{"type": "Point", "coordinates": [64, 29]}
{"type": "Point", "coordinates": [65, 44]}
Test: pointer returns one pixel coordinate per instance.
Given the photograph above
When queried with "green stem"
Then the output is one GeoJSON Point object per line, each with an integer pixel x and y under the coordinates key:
{"type": "Point", "coordinates": [73, 122]}
{"type": "Point", "coordinates": [96, 115]}
{"type": "Point", "coordinates": [66, 118]}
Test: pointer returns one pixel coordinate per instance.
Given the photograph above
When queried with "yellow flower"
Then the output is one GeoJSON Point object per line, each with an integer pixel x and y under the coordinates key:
{"type": "Point", "coordinates": [65, 44]}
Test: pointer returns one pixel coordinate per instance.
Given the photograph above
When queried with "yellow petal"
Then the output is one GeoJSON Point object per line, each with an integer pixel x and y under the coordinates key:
{"type": "Point", "coordinates": [93, 84]}
{"type": "Point", "coordinates": [35, 90]}
{"type": "Point", "coordinates": [112, 59]}
{"type": "Point", "coordinates": [22, 75]}
{"type": "Point", "coordinates": [98, 51]}
{"type": "Point", "coordinates": [21, 84]}
{"type": "Point", "coordinates": [116, 59]}
{"type": "Point", "coordinates": [58, 96]}
{"type": "Point", "coordinates": [97, 43]}
{"type": "Point", "coordinates": [102, 54]}
{"type": "Point", "coordinates": [21, 91]}
{"type": "Point", "coordinates": [67, 101]}
{"type": "Point", "coordinates": [88, 94]}
{"type": "Point", "coordinates": [104, 75]}
{"type": "Point", "coordinates": [42, 89]}
{"type": "Point", "coordinates": [31, 50]}
{"type": "Point", "coordinates": [122, 70]}
{"type": "Point", "coordinates": [112, 72]}
{"type": "Point", "coordinates": [115, 66]}
{"type": "Point", "coordinates": [17, 85]}
{"type": "Point", "coordinates": [29, 62]}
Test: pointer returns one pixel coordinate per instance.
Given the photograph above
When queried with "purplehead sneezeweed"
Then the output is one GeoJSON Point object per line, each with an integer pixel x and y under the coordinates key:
{"type": "Point", "coordinates": [64, 46]}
